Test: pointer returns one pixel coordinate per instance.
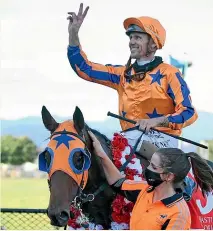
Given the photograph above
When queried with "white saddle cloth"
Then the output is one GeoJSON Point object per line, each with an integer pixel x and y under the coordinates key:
{"type": "Point", "coordinates": [159, 139]}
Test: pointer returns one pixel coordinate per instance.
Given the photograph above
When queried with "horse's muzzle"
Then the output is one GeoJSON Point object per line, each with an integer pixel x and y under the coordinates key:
{"type": "Point", "coordinates": [59, 220]}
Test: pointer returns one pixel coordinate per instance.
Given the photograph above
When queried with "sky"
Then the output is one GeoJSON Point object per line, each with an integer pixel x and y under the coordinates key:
{"type": "Point", "coordinates": [33, 52]}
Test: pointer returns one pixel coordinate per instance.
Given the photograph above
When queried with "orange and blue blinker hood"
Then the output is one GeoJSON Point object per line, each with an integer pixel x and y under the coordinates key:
{"type": "Point", "coordinates": [64, 144]}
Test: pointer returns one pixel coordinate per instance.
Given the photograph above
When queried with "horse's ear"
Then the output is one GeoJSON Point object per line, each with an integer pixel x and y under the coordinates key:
{"type": "Point", "coordinates": [49, 122]}
{"type": "Point", "coordinates": [78, 119]}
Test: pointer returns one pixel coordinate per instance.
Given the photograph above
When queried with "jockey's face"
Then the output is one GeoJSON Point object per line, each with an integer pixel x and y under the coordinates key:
{"type": "Point", "coordinates": [138, 44]}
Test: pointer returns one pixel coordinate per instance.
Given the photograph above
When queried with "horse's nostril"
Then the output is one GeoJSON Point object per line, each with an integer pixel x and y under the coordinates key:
{"type": "Point", "coordinates": [54, 220]}
{"type": "Point", "coordinates": [64, 216]}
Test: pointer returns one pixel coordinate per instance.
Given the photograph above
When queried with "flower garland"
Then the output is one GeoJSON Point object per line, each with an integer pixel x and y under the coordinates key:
{"type": "Point", "coordinates": [74, 223]}
{"type": "Point", "coordinates": [121, 207]}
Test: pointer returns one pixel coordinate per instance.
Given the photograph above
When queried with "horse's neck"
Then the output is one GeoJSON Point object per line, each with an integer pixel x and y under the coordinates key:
{"type": "Point", "coordinates": [99, 209]}
{"type": "Point", "coordinates": [96, 173]}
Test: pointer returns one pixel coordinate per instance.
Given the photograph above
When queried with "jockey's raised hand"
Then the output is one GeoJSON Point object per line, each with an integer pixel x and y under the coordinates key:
{"type": "Point", "coordinates": [75, 22]}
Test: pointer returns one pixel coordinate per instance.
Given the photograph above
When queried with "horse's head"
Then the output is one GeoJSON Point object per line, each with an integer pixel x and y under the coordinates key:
{"type": "Point", "coordinates": [66, 159]}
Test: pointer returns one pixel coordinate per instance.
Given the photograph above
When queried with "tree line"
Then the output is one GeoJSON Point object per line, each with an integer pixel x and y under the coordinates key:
{"type": "Point", "coordinates": [17, 150]}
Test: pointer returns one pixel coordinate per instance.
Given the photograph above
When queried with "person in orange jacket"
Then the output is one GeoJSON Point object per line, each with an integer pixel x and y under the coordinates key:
{"type": "Point", "coordinates": [150, 91]}
{"type": "Point", "coordinates": [158, 205]}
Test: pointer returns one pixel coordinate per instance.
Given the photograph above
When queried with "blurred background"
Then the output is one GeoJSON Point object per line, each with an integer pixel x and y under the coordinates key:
{"type": "Point", "coordinates": [35, 71]}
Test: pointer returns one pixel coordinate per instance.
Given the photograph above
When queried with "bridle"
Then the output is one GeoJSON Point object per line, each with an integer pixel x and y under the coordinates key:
{"type": "Point", "coordinates": [81, 197]}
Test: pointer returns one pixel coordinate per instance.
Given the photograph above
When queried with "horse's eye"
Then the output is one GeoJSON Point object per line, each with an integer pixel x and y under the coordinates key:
{"type": "Point", "coordinates": [78, 160]}
{"type": "Point", "coordinates": [47, 158]}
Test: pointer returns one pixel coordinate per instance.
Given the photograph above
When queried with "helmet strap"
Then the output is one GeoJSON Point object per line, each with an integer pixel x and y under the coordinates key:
{"type": "Point", "coordinates": [148, 52]}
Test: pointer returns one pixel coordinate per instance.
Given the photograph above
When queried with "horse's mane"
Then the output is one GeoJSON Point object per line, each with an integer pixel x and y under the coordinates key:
{"type": "Point", "coordinates": [97, 133]}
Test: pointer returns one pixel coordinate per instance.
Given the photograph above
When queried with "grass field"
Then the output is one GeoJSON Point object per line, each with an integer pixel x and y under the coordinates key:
{"type": "Point", "coordinates": [24, 193]}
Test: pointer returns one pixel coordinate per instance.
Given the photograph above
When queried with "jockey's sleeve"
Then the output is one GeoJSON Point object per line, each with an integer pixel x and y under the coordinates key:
{"type": "Point", "coordinates": [185, 114]}
{"type": "Point", "coordinates": [107, 75]}
{"type": "Point", "coordinates": [129, 189]}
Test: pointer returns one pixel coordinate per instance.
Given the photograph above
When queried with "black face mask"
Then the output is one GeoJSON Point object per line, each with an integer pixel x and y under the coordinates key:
{"type": "Point", "coordinates": [152, 178]}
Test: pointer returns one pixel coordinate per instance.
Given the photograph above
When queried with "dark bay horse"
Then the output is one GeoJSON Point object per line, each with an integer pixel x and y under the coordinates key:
{"type": "Point", "coordinates": [69, 160]}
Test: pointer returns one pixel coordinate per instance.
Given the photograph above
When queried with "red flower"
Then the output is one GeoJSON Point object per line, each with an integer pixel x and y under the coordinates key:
{"type": "Point", "coordinates": [129, 207]}
{"type": "Point", "coordinates": [122, 146]}
{"type": "Point", "coordinates": [133, 156]}
{"type": "Point", "coordinates": [120, 210]}
{"type": "Point", "coordinates": [72, 222]}
{"type": "Point", "coordinates": [117, 163]}
{"type": "Point", "coordinates": [117, 154]}
{"type": "Point", "coordinates": [115, 143]}
{"type": "Point", "coordinates": [118, 199]}
{"type": "Point", "coordinates": [117, 218]}
{"type": "Point", "coordinates": [131, 172]}
{"type": "Point", "coordinates": [126, 157]}
{"type": "Point", "coordinates": [125, 141]}
{"type": "Point", "coordinates": [129, 177]}
{"type": "Point", "coordinates": [142, 176]}
{"type": "Point", "coordinates": [125, 218]}
{"type": "Point", "coordinates": [117, 207]}
{"type": "Point", "coordinates": [75, 211]}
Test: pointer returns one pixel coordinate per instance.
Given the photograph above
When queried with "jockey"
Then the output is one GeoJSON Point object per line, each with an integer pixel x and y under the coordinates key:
{"type": "Point", "coordinates": [150, 91]}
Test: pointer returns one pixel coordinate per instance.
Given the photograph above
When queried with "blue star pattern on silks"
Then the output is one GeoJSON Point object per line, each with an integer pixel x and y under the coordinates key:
{"type": "Point", "coordinates": [63, 139]}
{"type": "Point", "coordinates": [123, 113]}
{"type": "Point", "coordinates": [156, 77]}
{"type": "Point", "coordinates": [154, 114]}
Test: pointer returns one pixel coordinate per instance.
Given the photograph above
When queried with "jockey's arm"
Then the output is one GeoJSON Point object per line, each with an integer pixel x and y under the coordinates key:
{"type": "Point", "coordinates": [107, 75]}
{"type": "Point", "coordinates": [185, 114]}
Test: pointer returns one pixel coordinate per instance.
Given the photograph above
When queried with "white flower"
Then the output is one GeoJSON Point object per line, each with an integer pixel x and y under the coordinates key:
{"type": "Point", "coordinates": [116, 226]}
{"type": "Point", "coordinates": [126, 151]}
{"type": "Point", "coordinates": [126, 201]}
{"type": "Point", "coordinates": [123, 160]}
{"type": "Point", "coordinates": [137, 178]}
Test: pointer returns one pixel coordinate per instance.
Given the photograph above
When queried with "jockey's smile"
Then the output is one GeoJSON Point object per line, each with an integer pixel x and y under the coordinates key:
{"type": "Point", "coordinates": [138, 45]}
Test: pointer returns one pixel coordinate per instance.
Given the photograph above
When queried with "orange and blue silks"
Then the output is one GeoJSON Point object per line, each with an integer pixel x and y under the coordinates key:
{"type": "Point", "coordinates": [163, 91]}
